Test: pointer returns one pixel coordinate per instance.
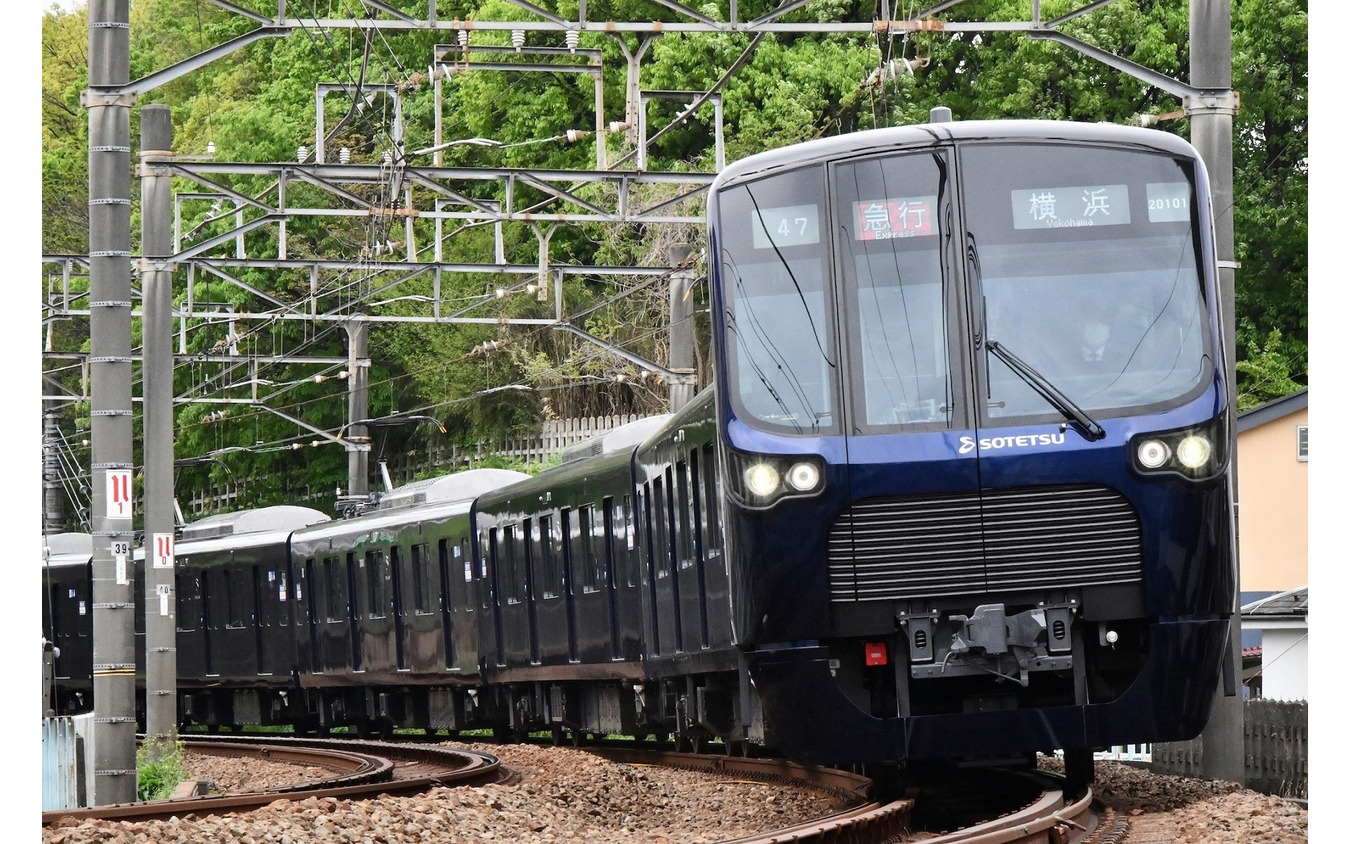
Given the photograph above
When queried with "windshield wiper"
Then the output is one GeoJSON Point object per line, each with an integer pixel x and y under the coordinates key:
{"type": "Point", "coordinates": [1048, 391]}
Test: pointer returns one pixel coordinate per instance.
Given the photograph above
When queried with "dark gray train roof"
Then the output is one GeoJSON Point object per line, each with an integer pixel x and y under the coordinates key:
{"type": "Point", "coordinates": [460, 486]}
{"type": "Point", "coordinates": [280, 517]}
{"type": "Point", "coordinates": [924, 134]}
{"type": "Point", "coordinates": [624, 436]}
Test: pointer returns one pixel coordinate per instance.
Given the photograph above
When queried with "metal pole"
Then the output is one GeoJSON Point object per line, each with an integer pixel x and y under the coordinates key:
{"type": "Point", "coordinates": [1212, 134]}
{"type": "Point", "coordinates": [358, 407]}
{"type": "Point", "coordinates": [161, 654]}
{"type": "Point", "coordinates": [114, 666]}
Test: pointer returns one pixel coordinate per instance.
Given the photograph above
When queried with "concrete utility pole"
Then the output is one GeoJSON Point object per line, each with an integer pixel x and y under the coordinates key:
{"type": "Point", "coordinates": [161, 652]}
{"type": "Point", "coordinates": [358, 407]}
{"type": "Point", "coordinates": [1212, 134]}
{"type": "Point", "coordinates": [681, 327]}
{"type": "Point", "coordinates": [114, 666]}
{"type": "Point", "coordinates": [52, 518]}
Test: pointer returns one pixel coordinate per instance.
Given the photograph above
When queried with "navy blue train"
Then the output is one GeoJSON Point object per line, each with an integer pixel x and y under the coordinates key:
{"type": "Point", "coordinates": [960, 490]}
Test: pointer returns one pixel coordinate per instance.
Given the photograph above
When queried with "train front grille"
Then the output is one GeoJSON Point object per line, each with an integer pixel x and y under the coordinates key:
{"type": "Point", "coordinates": [1000, 541]}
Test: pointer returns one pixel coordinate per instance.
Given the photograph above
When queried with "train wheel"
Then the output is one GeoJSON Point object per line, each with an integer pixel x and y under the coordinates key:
{"type": "Point", "coordinates": [557, 735]}
{"type": "Point", "coordinates": [579, 737]}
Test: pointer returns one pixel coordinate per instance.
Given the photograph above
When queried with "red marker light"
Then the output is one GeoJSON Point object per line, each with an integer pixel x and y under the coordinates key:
{"type": "Point", "coordinates": [874, 653]}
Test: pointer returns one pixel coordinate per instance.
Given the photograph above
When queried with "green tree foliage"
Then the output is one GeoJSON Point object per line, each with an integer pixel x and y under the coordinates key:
{"type": "Point", "coordinates": [258, 104]}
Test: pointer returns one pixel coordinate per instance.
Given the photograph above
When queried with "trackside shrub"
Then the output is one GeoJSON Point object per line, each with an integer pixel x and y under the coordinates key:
{"type": "Point", "coordinates": [159, 768]}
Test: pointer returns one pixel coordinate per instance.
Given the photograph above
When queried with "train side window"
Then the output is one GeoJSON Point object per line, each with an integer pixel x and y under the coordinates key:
{"type": "Point", "coordinates": [683, 535]}
{"type": "Point", "coordinates": [623, 520]}
{"type": "Point", "coordinates": [712, 534]}
{"type": "Point", "coordinates": [237, 604]}
{"type": "Point", "coordinates": [584, 555]}
{"type": "Point", "coordinates": [188, 589]}
{"type": "Point", "coordinates": [375, 583]}
{"type": "Point", "coordinates": [546, 553]}
{"type": "Point", "coordinates": [511, 565]}
{"type": "Point", "coordinates": [488, 552]}
{"type": "Point", "coordinates": [424, 586]}
{"type": "Point", "coordinates": [461, 557]}
{"type": "Point", "coordinates": [658, 517]}
{"type": "Point", "coordinates": [210, 618]}
{"type": "Point", "coordinates": [331, 589]}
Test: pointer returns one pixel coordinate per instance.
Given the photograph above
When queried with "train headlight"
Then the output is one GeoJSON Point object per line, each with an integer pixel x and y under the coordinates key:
{"type": "Point", "coordinates": [1153, 453]}
{"type": "Point", "coordinates": [803, 477]}
{"type": "Point", "coordinates": [1193, 452]}
{"type": "Point", "coordinates": [1196, 453]}
{"type": "Point", "coordinates": [761, 480]}
{"type": "Point", "coordinates": [758, 481]}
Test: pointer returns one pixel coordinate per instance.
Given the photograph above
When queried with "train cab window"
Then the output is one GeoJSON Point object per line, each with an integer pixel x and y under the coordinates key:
{"type": "Point", "coordinates": [779, 334]}
{"type": "Point", "coordinates": [375, 584]}
{"type": "Point", "coordinates": [892, 239]}
{"type": "Point", "coordinates": [423, 579]}
{"type": "Point", "coordinates": [546, 556]}
{"type": "Point", "coordinates": [1108, 238]}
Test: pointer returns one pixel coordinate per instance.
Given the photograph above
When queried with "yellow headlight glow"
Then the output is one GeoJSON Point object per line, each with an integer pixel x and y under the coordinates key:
{"type": "Point", "coordinates": [761, 480]}
{"type": "Point", "coordinates": [1193, 451]}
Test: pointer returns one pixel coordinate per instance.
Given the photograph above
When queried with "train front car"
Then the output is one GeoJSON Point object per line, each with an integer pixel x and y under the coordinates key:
{"type": "Point", "coordinates": [974, 412]}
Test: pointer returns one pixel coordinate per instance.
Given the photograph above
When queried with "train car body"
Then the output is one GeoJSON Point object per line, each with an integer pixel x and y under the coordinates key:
{"type": "Point", "coordinates": [68, 620]}
{"type": "Point", "coordinates": [954, 526]}
{"type": "Point", "coordinates": [235, 593]}
{"type": "Point", "coordinates": [563, 644]}
{"type": "Point", "coordinates": [388, 634]}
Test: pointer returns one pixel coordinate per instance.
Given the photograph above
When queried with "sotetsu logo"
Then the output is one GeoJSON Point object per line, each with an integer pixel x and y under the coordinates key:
{"type": "Point", "coordinates": [1024, 441]}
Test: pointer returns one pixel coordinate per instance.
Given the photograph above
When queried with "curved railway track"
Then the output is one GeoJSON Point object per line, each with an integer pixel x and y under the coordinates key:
{"type": "Point", "coordinates": [1029, 808]}
{"type": "Point", "coordinates": [359, 770]}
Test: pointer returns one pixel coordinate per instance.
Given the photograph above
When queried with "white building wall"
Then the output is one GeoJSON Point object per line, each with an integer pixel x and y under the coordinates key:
{"type": "Point", "coordinates": [1284, 664]}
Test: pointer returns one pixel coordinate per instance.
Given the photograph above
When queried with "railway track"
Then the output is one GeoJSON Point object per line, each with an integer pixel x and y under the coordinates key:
{"type": "Point", "coordinates": [359, 770]}
{"type": "Point", "coordinates": [1029, 808]}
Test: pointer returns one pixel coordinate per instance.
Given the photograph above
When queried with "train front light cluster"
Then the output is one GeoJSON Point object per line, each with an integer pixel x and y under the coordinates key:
{"type": "Point", "coordinates": [1194, 452]}
{"type": "Point", "coordinates": [763, 479]}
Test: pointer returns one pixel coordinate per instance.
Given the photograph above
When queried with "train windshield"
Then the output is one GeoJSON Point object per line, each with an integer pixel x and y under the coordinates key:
{"type": "Point", "coordinates": [1085, 269]}
{"type": "Point", "coordinates": [886, 290]}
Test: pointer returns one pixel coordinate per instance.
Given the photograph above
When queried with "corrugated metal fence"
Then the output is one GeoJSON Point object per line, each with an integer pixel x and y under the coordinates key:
{"type": "Point", "coordinates": [63, 783]}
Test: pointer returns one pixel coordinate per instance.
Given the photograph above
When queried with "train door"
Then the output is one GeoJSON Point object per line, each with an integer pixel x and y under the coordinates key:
{"type": "Point", "coordinates": [212, 604]}
{"type": "Point", "coordinates": [565, 548]}
{"type": "Point", "coordinates": [263, 621]}
{"type": "Point", "coordinates": [311, 615]}
{"type": "Point", "coordinates": [457, 603]}
{"type": "Point", "coordinates": [690, 577]}
{"type": "Point", "coordinates": [612, 574]}
{"type": "Point", "coordinates": [662, 586]}
{"type": "Point", "coordinates": [355, 611]}
{"type": "Point", "coordinates": [397, 607]}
